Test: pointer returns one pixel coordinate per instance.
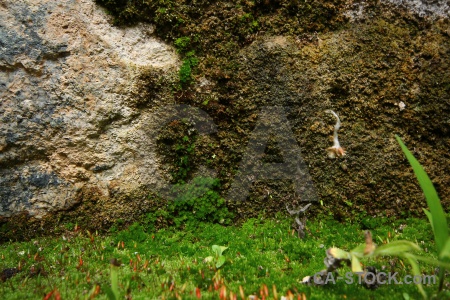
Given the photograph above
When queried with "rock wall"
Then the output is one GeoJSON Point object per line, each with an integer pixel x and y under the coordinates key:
{"type": "Point", "coordinates": [79, 96]}
{"type": "Point", "coordinates": [69, 91]}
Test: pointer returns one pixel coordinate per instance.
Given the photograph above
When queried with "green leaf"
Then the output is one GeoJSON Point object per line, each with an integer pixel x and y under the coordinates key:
{"type": "Point", "coordinates": [113, 291]}
{"type": "Point", "coordinates": [430, 217]}
{"type": "Point", "coordinates": [431, 261]}
{"type": "Point", "coordinates": [439, 221]}
{"type": "Point", "coordinates": [220, 261]}
{"type": "Point", "coordinates": [218, 250]}
{"type": "Point", "coordinates": [359, 250]}
{"type": "Point", "coordinates": [356, 266]}
{"type": "Point", "coordinates": [445, 253]}
{"type": "Point", "coordinates": [91, 294]}
{"type": "Point", "coordinates": [109, 292]}
{"type": "Point", "coordinates": [396, 248]}
{"type": "Point", "coordinates": [114, 282]}
{"type": "Point", "coordinates": [416, 271]}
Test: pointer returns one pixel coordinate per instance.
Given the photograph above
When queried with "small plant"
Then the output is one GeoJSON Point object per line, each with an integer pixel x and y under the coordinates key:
{"type": "Point", "coordinates": [184, 151]}
{"type": "Point", "coordinates": [402, 249]}
{"type": "Point", "coordinates": [248, 20]}
{"type": "Point", "coordinates": [198, 201]}
{"type": "Point", "coordinates": [185, 72]}
{"type": "Point", "coordinates": [70, 226]}
{"type": "Point", "coordinates": [182, 43]}
{"type": "Point", "coordinates": [190, 61]}
{"type": "Point", "coordinates": [133, 233]}
{"type": "Point", "coordinates": [436, 214]}
{"type": "Point", "coordinates": [218, 258]}
{"type": "Point", "coordinates": [177, 145]}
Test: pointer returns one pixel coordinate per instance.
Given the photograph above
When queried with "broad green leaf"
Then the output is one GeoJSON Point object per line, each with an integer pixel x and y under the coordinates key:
{"type": "Point", "coordinates": [356, 266]}
{"type": "Point", "coordinates": [445, 253]}
{"type": "Point", "coordinates": [222, 249]}
{"type": "Point", "coordinates": [218, 250]}
{"type": "Point", "coordinates": [339, 253]}
{"type": "Point", "coordinates": [416, 271]}
{"type": "Point", "coordinates": [439, 221]}
{"type": "Point", "coordinates": [396, 248]}
{"type": "Point", "coordinates": [220, 261]}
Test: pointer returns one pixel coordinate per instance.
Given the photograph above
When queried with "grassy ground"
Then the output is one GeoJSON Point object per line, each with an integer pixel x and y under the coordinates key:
{"type": "Point", "coordinates": [264, 258]}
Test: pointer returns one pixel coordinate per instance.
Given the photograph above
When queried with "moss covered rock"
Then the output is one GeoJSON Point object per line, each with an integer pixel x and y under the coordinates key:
{"type": "Point", "coordinates": [382, 67]}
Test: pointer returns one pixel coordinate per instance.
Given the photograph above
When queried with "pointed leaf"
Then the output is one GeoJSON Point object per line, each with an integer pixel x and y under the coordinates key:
{"type": "Point", "coordinates": [439, 220]}
{"type": "Point", "coordinates": [114, 282]}
{"type": "Point", "coordinates": [396, 248]}
{"type": "Point", "coordinates": [431, 261]}
{"type": "Point", "coordinates": [356, 266]}
{"type": "Point", "coordinates": [218, 250]}
{"type": "Point", "coordinates": [220, 261]}
{"type": "Point", "coordinates": [430, 217]}
{"type": "Point", "coordinates": [445, 253]}
{"type": "Point", "coordinates": [112, 291]}
{"type": "Point", "coordinates": [109, 292]}
{"type": "Point", "coordinates": [416, 272]}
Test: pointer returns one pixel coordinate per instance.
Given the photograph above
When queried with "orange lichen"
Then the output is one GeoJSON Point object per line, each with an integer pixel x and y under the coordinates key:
{"type": "Point", "coordinates": [335, 151]}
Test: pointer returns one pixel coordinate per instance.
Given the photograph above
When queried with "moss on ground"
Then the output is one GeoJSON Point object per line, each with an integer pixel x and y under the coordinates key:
{"type": "Point", "coordinates": [170, 263]}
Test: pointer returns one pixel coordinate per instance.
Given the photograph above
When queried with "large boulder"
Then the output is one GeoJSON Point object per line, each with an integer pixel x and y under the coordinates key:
{"type": "Point", "coordinates": [70, 104]}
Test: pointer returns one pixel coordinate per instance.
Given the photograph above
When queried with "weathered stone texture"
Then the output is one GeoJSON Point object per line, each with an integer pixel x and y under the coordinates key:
{"type": "Point", "coordinates": [79, 96]}
{"type": "Point", "coordinates": [68, 83]}
{"type": "Point", "coordinates": [432, 8]}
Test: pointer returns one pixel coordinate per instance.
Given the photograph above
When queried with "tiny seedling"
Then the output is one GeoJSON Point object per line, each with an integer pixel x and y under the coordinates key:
{"type": "Point", "coordinates": [218, 257]}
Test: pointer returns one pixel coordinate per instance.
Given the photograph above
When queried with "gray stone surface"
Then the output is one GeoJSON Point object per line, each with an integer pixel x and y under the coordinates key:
{"type": "Point", "coordinates": [431, 8]}
{"type": "Point", "coordinates": [67, 119]}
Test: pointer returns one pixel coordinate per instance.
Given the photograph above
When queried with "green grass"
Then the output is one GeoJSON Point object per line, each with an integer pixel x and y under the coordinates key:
{"type": "Point", "coordinates": [168, 264]}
